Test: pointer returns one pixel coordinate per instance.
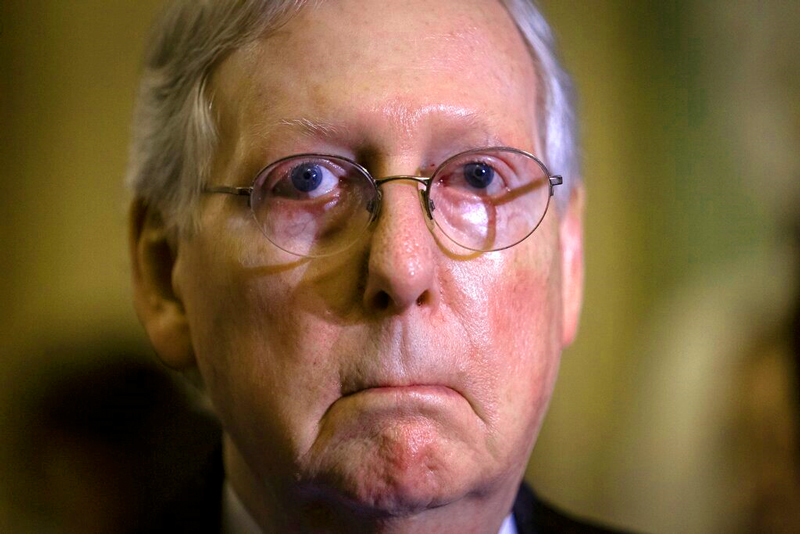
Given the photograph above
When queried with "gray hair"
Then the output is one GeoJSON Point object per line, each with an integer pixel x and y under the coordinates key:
{"type": "Point", "coordinates": [174, 132]}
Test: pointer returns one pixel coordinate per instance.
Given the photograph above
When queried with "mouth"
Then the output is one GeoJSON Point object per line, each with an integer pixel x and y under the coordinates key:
{"type": "Point", "coordinates": [387, 404]}
{"type": "Point", "coordinates": [385, 389]}
{"type": "Point", "coordinates": [394, 404]}
{"type": "Point", "coordinates": [397, 386]}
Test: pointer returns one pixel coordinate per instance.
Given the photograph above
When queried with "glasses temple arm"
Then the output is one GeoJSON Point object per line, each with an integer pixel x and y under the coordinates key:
{"type": "Point", "coordinates": [228, 190]}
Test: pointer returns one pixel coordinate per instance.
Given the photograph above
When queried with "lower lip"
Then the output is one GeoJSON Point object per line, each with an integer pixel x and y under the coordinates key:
{"type": "Point", "coordinates": [421, 391]}
{"type": "Point", "coordinates": [415, 398]}
{"type": "Point", "coordinates": [389, 404]}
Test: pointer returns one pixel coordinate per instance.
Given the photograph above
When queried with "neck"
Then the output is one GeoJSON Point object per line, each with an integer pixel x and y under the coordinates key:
{"type": "Point", "coordinates": [287, 509]}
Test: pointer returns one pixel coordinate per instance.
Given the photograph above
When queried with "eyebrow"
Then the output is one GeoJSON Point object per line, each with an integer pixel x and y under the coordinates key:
{"type": "Point", "coordinates": [313, 128]}
{"type": "Point", "coordinates": [476, 133]}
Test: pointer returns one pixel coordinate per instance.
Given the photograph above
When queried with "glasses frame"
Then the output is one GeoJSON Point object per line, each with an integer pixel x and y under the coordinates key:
{"type": "Point", "coordinates": [374, 208]}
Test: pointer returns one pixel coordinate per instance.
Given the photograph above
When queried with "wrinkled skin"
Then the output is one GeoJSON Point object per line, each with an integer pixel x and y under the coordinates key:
{"type": "Point", "coordinates": [398, 385]}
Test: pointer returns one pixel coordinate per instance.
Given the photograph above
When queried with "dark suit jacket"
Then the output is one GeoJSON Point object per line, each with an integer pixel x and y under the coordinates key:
{"type": "Point", "coordinates": [197, 509]}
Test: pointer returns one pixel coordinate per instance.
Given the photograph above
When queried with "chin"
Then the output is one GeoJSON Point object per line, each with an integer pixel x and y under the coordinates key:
{"type": "Point", "coordinates": [401, 471]}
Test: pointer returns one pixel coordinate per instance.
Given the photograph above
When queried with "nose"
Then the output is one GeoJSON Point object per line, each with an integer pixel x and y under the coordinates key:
{"type": "Point", "coordinates": [401, 269]}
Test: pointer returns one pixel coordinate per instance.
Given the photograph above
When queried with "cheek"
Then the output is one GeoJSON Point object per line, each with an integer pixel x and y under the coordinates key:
{"type": "Point", "coordinates": [248, 337]}
{"type": "Point", "coordinates": [525, 315]}
{"type": "Point", "coordinates": [525, 312]}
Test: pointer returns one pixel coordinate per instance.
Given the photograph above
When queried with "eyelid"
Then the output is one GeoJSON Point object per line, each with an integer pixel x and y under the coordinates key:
{"type": "Point", "coordinates": [282, 169]}
{"type": "Point", "coordinates": [493, 160]}
{"type": "Point", "coordinates": [318, 160]}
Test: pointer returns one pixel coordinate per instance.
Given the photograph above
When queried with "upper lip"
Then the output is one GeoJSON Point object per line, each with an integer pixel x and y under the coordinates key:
{"type": "Point", "coordinates": [370, 384]}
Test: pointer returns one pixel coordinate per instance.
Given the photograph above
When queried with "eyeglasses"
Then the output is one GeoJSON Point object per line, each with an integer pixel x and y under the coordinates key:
{"type": "Point", "coordinates": [314, 205]}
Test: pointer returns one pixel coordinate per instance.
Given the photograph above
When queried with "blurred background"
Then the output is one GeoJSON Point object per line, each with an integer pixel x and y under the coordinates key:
{"type": "Point", "coordinates": [676, 409]}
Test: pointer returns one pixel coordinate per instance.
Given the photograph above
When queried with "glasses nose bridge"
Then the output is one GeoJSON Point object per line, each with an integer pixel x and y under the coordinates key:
{"type": "Point", "coordinates": [424, 198]}
{"type": "Point", "coordinates": [402, 177]}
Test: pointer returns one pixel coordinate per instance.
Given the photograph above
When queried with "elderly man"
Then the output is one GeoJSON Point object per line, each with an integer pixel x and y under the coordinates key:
{"type": "Point", "coordinates": [350, 218]}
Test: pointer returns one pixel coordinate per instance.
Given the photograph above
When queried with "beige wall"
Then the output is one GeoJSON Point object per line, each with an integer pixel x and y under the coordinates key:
{"type": "Point", "coordinates": [667, 203]}
{"type": "Point", "coordinates": [691, 132]}
{"type": "Point", "coordinates": [69, 74]}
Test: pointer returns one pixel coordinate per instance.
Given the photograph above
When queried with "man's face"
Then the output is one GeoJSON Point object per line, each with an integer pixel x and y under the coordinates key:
{"type": "Point", "coordinates": [396, 374]}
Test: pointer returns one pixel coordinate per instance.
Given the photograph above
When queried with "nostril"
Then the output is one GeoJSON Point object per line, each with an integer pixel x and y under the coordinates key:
{"type": "Point", "coordinates": [381, 300]}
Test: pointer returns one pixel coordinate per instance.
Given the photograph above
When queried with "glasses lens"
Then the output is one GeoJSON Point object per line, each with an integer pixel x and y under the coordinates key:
{"type": "Point", "coordinates": [312, 205]}
{"type": "Point", "coordinates": [490, 199]}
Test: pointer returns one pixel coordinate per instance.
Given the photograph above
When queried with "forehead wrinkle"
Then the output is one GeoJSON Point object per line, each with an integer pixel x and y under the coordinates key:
{"type": "Point", "coordinates": [409, 117]}
{"type": "Point", "coordinates": [437, 120]}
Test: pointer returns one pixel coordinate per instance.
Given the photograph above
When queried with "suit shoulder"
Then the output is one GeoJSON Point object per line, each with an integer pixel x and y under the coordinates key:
{"type": "Point", "coordinates": [534, 516]}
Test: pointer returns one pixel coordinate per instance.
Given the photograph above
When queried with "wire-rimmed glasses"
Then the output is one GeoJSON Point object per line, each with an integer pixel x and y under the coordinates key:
{"type": "Point", "coordinates": [314, 205]}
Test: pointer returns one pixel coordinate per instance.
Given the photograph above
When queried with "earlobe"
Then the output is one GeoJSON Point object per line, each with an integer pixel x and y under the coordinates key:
{"type": "Point", "coordinates": [154, 261]}
{"type": "Point", "coordinates": [572, 263]}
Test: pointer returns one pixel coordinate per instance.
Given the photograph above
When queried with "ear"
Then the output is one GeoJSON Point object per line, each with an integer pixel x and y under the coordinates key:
{"type": "Point", "coordinates": [571, 230]}
{"type": "Point", "coordinates": [154, 258]}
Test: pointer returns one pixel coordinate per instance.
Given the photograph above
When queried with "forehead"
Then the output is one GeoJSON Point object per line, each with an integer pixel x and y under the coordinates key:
{"type": "Point", "coordinates": [384, 73]}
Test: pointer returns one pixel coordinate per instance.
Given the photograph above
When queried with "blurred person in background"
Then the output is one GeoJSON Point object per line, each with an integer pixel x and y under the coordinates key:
{"type": "Point", "coordinates": [719, 398]}
{"type": "Point", "coordinates": [106, 442]}
{"type": "Point", "coordinates": [360, 222]}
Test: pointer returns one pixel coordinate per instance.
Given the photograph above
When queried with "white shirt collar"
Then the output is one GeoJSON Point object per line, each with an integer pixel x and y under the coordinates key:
{"type": "Point", "coordinates": [235, 517]}
{"type": "Point", "coordinates": [237, 520]}
{"type": "Point", "coordinates": [508, 526]}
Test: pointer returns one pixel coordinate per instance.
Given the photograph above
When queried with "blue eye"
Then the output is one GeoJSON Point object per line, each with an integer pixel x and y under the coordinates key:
{"type": "Point", "coordinates": [306, 177]}
{"type": "Point", "coordinates": [478, 175]}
